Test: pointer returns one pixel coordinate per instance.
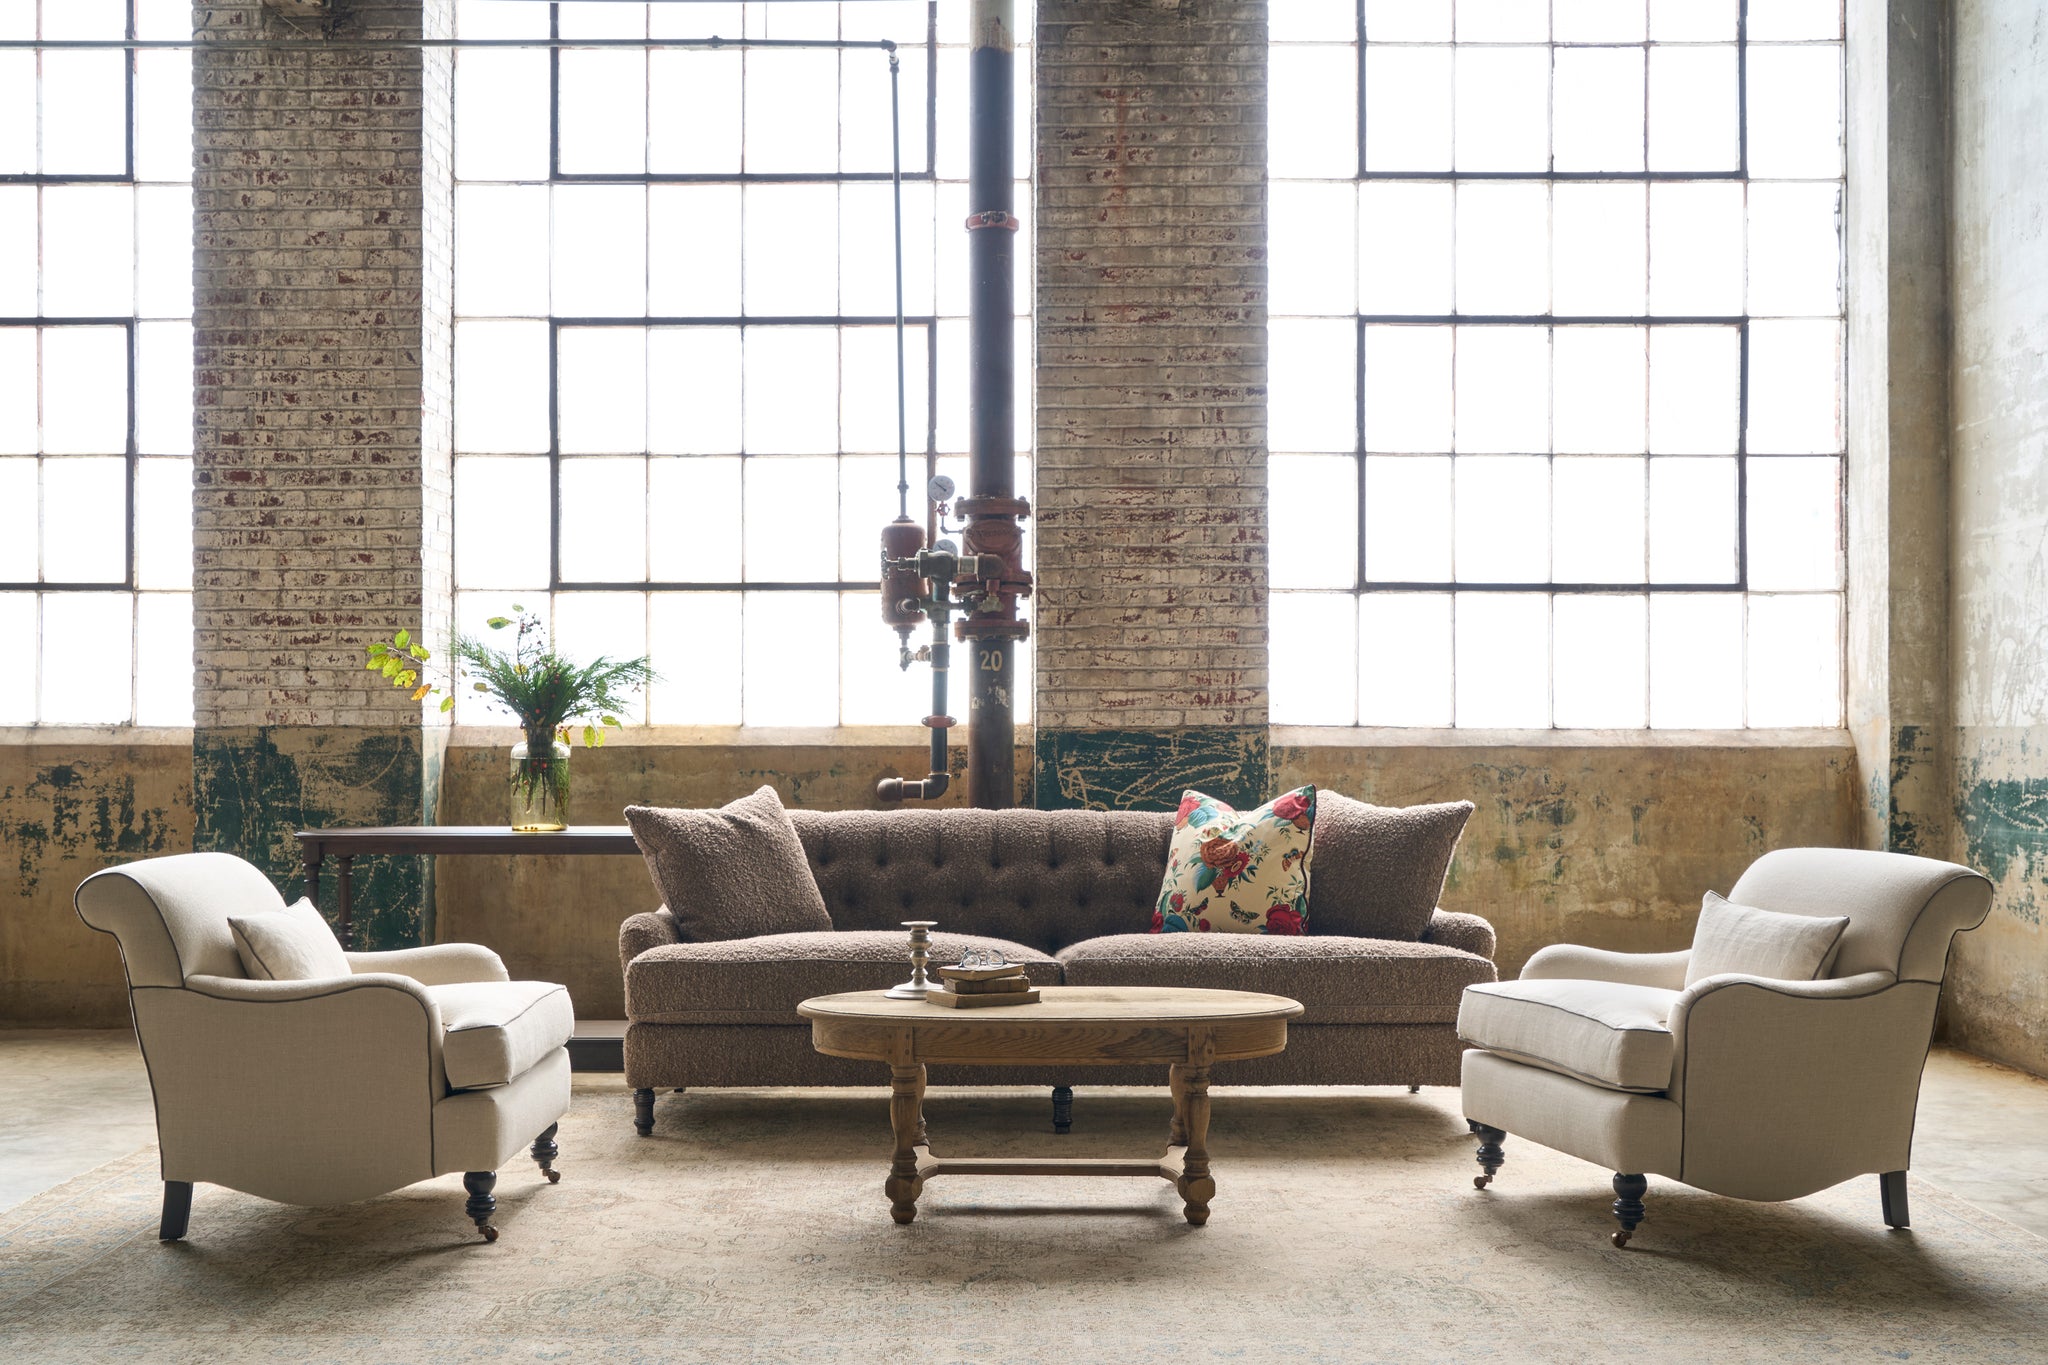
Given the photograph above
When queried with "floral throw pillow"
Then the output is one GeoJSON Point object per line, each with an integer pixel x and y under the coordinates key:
{"type": "Point", "coordinates": [1232, 873]}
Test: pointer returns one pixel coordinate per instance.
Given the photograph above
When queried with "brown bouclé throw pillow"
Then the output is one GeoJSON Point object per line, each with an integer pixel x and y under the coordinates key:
{"type": "Point", "coordinates": [735, 872]}
{"type": "Point", "coordinates": [1380, 869]}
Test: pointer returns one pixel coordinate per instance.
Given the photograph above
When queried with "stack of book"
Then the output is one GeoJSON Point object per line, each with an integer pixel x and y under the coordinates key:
{"type": "Point", "coordinates": [973, 988]}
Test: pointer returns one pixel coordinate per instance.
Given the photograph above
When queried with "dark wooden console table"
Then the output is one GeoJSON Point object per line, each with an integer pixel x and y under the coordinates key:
{"type": "Point", "coordinates": [597, 1044]}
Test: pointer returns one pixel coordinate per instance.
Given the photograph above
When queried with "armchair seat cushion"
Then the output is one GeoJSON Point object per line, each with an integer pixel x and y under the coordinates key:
{"type": "Point", "coordinates": [761, 980]}
{"type": "Point", "coordinates": [1610, 1034]}
{"type": "Point", "coordinates": [494, 1031]}
{"type": "Point", "coordinates": [1339, 980]}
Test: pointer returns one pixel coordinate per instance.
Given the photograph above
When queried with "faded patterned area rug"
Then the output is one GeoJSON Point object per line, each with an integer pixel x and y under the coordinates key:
{"type": "Point", "coordinates": [752, 1228]}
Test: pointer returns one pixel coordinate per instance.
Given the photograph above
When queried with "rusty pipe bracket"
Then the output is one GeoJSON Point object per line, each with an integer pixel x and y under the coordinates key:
{"type": "Point", "coordinates": [993, 218]}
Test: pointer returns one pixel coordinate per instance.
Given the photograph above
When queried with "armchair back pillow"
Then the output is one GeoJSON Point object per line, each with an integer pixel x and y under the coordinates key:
{"type": "Point", "coordinates": [735, 872]}
{"type": "Point", "coordinates": [1767, 943]}
{"type": "Point", "coordinates": [292, 944]}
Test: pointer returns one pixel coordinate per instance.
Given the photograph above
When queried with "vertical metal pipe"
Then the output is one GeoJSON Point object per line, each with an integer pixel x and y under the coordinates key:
{"type": "Point", "coordinates": [992, 631]}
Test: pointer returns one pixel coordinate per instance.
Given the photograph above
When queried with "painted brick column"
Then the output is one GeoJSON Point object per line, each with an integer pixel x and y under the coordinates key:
{"type": "Point", "coordinates": [322, 204]}
{"type": "Point", "coordinates": [1151, 308]}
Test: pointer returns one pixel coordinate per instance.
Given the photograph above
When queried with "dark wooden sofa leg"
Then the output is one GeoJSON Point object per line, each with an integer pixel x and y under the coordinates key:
{"type": "Point", "coordinates": [545, 1151]}
{"type": "Point", "coordinates": [1628, 1205]}
{"type": "Point", "coordinates": [482, 1203]}
{"type": "Point", "coordinates": [1490, 1155]}
{"type": "Point", "coordinates": [177, 1211]}
{"type": "Point", "coordinates": [643, 1112]}
{"type": "Point", "coordinates": [1063, 1109]}
{"type": "Point", "coordinates": [1891, 1186]}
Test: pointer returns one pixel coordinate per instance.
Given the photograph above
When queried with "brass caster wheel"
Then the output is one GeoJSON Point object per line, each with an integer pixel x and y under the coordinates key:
{"type": "Point", "coordinates": [490, 1233]}
{"type": "Point", "coordinates": [1620, 1239]}
{"type": "Point", "coordinates": [554, 1177]}
{"type": "Point", "coordinates": [1480, 1182]}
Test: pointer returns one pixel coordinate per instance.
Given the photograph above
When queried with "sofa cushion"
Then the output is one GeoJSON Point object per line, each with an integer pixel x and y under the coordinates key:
{"type": "Point", "coordinates": [1767, 943]}
{"type": "Point", "coordinates": [735, 872]}
{"type": "Point", "coordinates": [492, 1031]}
{"type": "Point", "coordinates": [762, 980]}
{"type": "Point", "coordinates": [1380, 869]}
{"type": "Point", "coordinates": [1599, 1031]}
{"type": "Point", "coordinates": [1337, 980]}
{"type": "Point", "coordinates": [1231, 872]}
{"type": "Point", "coordinates": [292, 944]}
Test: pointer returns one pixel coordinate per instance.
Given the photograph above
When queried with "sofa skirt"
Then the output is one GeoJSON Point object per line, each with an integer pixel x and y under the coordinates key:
{"type": "Point", "coordinates": [666, 1056]}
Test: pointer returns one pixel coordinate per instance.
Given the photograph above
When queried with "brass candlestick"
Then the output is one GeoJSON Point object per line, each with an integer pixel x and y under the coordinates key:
{"type": "Point", "coordinates": [920, 984]}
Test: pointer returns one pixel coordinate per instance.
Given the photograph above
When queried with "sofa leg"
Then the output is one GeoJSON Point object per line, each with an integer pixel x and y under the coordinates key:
{"type": "Point", "coordinates": [482, 1203]}
{"type": "Point", "coordinates": [1415, 1090]}
{"type": "Point", "coordinates": [1490, 1155]}
{"type": "Point", "coordinates": [643, 1112]}
{"type": "Point", "coordinates": [545, 1151]}
{"type": "Point", "coordinates": [1063, 1109]}
{"type": "Point", "coordinates": [1628, 1205]}
{"type": "Point", "coordinates": [177, 1211]}
{"type": "Point", "coordinates": [1891, 1187]}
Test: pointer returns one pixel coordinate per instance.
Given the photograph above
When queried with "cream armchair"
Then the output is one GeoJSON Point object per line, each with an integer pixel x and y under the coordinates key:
{"type": "Point", "coordinates": [1738, 1085]}
{"type": "Point", "coordinates": [422, 1062]}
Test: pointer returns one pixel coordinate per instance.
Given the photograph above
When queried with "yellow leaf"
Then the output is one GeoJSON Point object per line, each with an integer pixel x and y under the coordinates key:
{"type": "Point", "coordinates": [420, 692]}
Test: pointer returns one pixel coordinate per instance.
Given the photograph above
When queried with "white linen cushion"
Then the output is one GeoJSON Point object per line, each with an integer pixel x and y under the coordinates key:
{"type": "Point", "coordinates": [492, 1031]}
{"type": "Point", "coordinates": [1599, 1031]}
{"type": "Point", "coordinates": [292, 944]}
{"type": "Point", "coordinates": [1767, 943]}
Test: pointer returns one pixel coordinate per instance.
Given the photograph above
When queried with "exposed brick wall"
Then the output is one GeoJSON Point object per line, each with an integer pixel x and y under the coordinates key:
{"type": "Point", "coordinates": [1151, 363]}
{"type": "Point", "coordinates": [314, 486]}
{"type": "Point", "coordinates": [1150, 505]}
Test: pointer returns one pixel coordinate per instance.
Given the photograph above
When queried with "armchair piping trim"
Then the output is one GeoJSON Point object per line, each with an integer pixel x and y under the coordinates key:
{"type": "Point", "coordinates": [244, 942]}
{"type": "Point", "coordinates": [470, 1028]}
{"type": "Point", "coordinates": [433, 1155]}
{"type": "Point", "coordinates": [1546, 1004]}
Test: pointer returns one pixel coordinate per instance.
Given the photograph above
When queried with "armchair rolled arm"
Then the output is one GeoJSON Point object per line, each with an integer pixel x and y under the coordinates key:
{"type": "Point", "coordinates": [436, 964]}
{"type": "Point", "coordinates": [1467, 933]}
{"type": "Point", "coordinates": [654, 929]}
{"type": "Point", "coordinates": [1665, 971]}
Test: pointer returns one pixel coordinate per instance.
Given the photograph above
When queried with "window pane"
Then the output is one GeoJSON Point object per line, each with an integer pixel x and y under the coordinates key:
{"type": "Point", "coordinates": [1400, 21]}
{"type": "Point", "coordinates": [1599, 109]}
{"type": "Point", "coordinates": [1503, 381]}
{"type": "Point", "coordinates": [1503, 519]}
{"type": "Point", "coordinates": [88, 251]}
{"type": "Point", "coordinates": [1693, 109]}
{"type": "Point", "coordinates": [602, 403]}
{"type": "Point", "coordinates": [1795, 660]}
{"type": "Point", "coordinates": [867, 392]}
{"type": "Point", "coordinates": [791, 390]}
{"type": "Point", "coordinates": [163, 388]}
{"type": "Point", "coordinates": [694, 268]}
{"type": "Point", "coordinates": [501, 386]}
{"type": "Point", "coordinates": [18, 385]}
{"type": "Point", "coordinates": [1408, 520]}
{"type": "Point", "coordinates": [163, 658]}
{"type": "Point", "coordinates": [588, 624]}
{"type": "Point", "coordinates": [600, 250]}
{"type": "Point", "coordinates": [867, 251]}
{"type": "Point", "coordinates": [792, 110]}
{"type": "Point", "coordinates": [1408, 109]}
{"type": "Point", "coordinates": [1503, 660]}
{"type": "Point", "coordinates": [1312, 117]}
{"type": "Point", "coordinates": [693, 97]}
{"type": "Point", "coordinates": [695, 645]}
{"type": "Point", "coordinates": [1405, 243]}
{"type": "Point", "coordinates": [1695, 661]}
{"type": "Point", "coordinates": [694, 534]}
{"type": "Point", "coordinates": [163, 286]}
{"type": "Point", "coordinates": [93, 635]}
{"type": "Point", "coordinates": [501, 115]}
{"type": "Point", "coordinates": [791, 519]}
{"type": "Point", "coordinates": [503, 521]}
{"type": "Point", "coordinates": [1602, 648]}
{"type": "Point", "coordinates": [1312, 503]}
{"type": "Point", "coordinates": [1312, 248]}
{"type": "Point", "coordinates": [1408, 388]}
{"type": "Point", "coordinates": [604, 520]}
{"type": "Point", "coordinates": [163, 524]}
{"type": "Point", "coordinates": [1599, 259]}
{"type": "Point", "coordinates": [84, 117]}
{"type": "Point", "coordinates": [1502, 21]}
{"type": "Point", "coordinates": [1795, 394]}
{"type": "Point", "coordinates": [1312, 383]}
{"type": "Point", "coordinates": [20, 516]}
{"type": "Point", "coordinates": [85, 390]}
{"type": "Point", "coordinates": [1502, 119]}
{"type": "Point", "coordinates": [473, 613]}
{"type": "Point", "coordinates": [1693, 21]}
{"type": "Point", "coordinates": [1692, 521]}
{"type": "Point", "coordinates": [1696, 249]}
{"type": "Point", "coordinates": [1795, 111]}
{"type": "Point", "coordinates": [1695, 390]}
{"type": "Point", "coordinates": [18, 113]}
{"type": "Point", "coordinates": [1314, 659]}
{"type": "Point", "coordinates": [501, 234]}
{"type": "Point", "coordinates": [18, 247]}
{"type": "Point", "coordinates": [1404, 659]}
{"type": "Point", "coordinates": [18, 685]}
{"type": "Point", "coordinates": [1597, 21]}
{"type": "Point", "coordinates": [603, 119]}
{"type": "Point", "coordinates": [783, 634]}
{"type": "Point", "coordinates": [787, 273]}
{"type": "Point", "coordinates": [1597, 518]}
{"type": "Point", "coordinates": [1794, 530]}
{"type": "Point", "coordinates": [1795, 249]}
{"type": "Point", "coordinates": [693, 399]}
{"type": "Point", "coordinates": [163, 116]}
{"type": "Point", "coordinates": [1794, 20]}
{"type": "Point", "coordinates": [1503, 248]}
{"type": "Point", "coordinates": [874, 690]}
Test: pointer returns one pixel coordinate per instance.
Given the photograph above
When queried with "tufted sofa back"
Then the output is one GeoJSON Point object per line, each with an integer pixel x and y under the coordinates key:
{"type": "Point", "coordinates": [1046, 879]}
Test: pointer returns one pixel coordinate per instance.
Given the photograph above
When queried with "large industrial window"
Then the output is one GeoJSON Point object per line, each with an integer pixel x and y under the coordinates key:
{"type": "Point", "coordinates": [1556, 363]}
{"type": "Point", "coordinates": [95, 366]}
{"type": "Point", "coordinates": [675, 351]}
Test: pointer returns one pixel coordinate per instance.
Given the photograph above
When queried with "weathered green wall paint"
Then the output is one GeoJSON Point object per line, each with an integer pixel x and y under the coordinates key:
{"type": "Point", "coordinates": [66, 811]}
{"type": "Point", "coordinates": [254, 787]}
{"type": "Point", "coordinates": [1148, 769]}
{"type": "Point", "coordinates": [1997, 1001]}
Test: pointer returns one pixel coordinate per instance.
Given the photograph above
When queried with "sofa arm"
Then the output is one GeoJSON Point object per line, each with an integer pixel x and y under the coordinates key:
{"type": "Point", "coordinates": [656, 929]}
{"type": "Point", "coordinates": [1571, 961]}
{"type": "Point", "coordinates": [436, 964]}
{"type": "Point", "coordinates": [1467, 933]}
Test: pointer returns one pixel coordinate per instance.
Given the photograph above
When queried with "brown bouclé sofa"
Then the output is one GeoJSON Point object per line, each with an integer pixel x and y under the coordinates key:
{"type": "Point", "coordinates": [1069, 894]}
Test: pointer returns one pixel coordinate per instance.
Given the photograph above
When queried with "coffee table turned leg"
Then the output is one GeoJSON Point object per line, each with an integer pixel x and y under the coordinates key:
{"type": "Point", "coordinates": [1197, 1188]}
{"type": "Point", "coordinates": [906, 1117]}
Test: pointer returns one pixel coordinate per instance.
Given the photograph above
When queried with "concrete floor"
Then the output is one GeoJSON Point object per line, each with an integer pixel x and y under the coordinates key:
{"type": "Point", "coordinates": [75, 1099]}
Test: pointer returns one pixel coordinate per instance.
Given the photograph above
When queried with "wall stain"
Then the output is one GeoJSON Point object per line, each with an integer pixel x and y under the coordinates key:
{"type": "Point", "coordinates": [1149, 769]}
{"type": "Point", "coordinates": [69, 810]}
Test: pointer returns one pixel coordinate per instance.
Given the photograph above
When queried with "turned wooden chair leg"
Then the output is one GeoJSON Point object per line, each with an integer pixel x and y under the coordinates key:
{"type": "Point", "coordinates": [1628, 1205]}
{"type": "Point", "coordinates": [643, 1112]}
{"type": "Point", "coordinates": [545, 1151]}
{"type": "Point", "coordinates": [178, 1211]}
{"type": "Point", "coordinates": [1063, 1109]}
{"type": "Point", "coordinates": [482, 1203]}
{"type": "Point", "coordinates": [1490, 1155]}
{"type": "Point", "coordinates": [1891, 1187]}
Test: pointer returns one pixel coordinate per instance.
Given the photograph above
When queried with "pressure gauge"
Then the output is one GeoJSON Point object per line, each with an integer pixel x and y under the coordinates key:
{"type": "Point", "coordinates": [940, 489]}
{"type": "Point", "coordinates": [947, 547]}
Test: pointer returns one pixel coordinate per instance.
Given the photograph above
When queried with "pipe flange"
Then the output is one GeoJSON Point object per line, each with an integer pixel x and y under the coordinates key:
{"type": "Point", "coordinates": [985, 629]}
{"type": "Point", "coordinates": [979, 506]}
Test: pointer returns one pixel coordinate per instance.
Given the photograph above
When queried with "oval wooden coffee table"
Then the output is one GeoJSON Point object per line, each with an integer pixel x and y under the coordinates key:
{"type": "Point", "coordinates": [1187, 1030]}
